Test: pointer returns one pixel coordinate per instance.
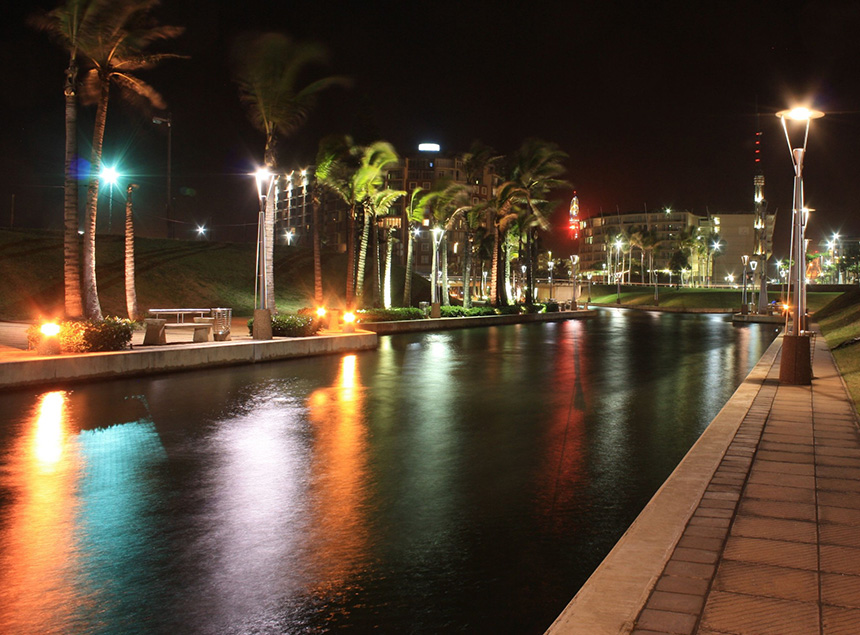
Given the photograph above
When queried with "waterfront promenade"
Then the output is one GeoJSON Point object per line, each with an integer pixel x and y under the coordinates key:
{"type": "Point", "coordinates": [758, 529]}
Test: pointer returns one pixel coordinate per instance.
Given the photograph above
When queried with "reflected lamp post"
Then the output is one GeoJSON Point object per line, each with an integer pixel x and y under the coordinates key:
{"type": "Point", "coordinates": [262, 329]}
{"type": "Point", "coordinates": [796, 362]}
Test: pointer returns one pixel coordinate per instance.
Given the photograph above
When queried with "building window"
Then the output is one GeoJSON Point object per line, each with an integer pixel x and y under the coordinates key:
{"type": "Point", "coordinates": [426, 185]}
{"type": "Point", "coordinates": [425, 260]}
{"type": "Point", "coordinates": [425, 246]}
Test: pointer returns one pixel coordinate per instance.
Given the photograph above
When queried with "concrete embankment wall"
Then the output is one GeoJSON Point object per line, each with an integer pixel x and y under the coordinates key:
{"type": "Point", "coordinates": [61, 369]}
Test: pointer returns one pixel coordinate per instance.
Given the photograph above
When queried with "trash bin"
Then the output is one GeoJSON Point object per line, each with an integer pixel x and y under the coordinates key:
{"type": "Point", "coordinates": [221, 326]}
{"type": "Point", "coordinates": [424, 307]}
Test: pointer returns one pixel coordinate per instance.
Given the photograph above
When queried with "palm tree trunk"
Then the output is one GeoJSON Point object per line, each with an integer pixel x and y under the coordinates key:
{"type": "Point", "coordinates": [130, 289]}
{"type": "Point", "coordinates": [389, 252]}
{"type": "Point", "coordinates": [350, 259]}
{"type": "Point", "coordinates": [315, 219]}
{"type": "Point", "coordinates": [446, 295]}
{"type": "Point", "coordinates": [410, 256]}
{"type": "Point", "coordinates": [362, 256]}
{"type": "Point", "coordinates": [92, 308]}
{"type": "Point", "coordinates": [377, 264]}
{"type": "Point", "coordinates": [467, 273]}
{"type": "Point", "coordinates": [71, 240]}
{"type": "Point", "coordinates": [494, 269]}
{"type": "Point", "coordinates": [508, 297]}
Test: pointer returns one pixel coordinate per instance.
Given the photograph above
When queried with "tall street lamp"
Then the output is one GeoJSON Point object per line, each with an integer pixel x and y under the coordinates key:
{"type": "Point", "coordinates": [618, 272]}
{"type": "Point", "coordinates": [588, 275]}
{"type": "Point", "coordinates": [438, 232]}
{"type": "Point", "coordinates": [262, 329]}
{"type": "Point", "coordinates": [796, 364]}
{"type": "Point", "coordinates": [168, 207]}
{"type": "Point", "coordinates": [744, 306]}
{"type": "Point", "coordinates": [110, 176]}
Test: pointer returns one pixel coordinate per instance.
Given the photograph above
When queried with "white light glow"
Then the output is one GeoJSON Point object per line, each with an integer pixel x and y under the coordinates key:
{"type": "Point", "coordinates": [429, 147]}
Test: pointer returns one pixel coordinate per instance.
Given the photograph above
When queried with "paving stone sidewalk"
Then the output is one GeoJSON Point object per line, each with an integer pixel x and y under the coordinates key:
{"type": "Point", "coordinates": [774, 545]}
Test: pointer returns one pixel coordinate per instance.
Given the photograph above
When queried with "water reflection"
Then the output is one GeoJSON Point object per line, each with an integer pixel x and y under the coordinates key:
{"type": "Point", "coordinates": [37, 544]}
{"type": "Point", "coordinates": [459, 481]}
{"type": "Point", "coordinates": [339, 474]}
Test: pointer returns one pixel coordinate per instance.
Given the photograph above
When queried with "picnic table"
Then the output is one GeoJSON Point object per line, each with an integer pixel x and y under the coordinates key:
{"type": "Point", "coordinates": [205, 324]}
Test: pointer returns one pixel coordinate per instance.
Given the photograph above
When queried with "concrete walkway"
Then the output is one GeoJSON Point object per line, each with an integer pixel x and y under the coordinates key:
{"type": "Point", "coordinates": [772, 544]}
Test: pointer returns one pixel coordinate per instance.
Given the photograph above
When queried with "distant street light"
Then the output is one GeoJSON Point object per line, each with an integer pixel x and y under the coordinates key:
{"type": "Point", "coordinates": [618, 272]}
{"type": "Point", "coordinates": [438, 232]}
{"type": "Point", "coordinates": [796, 364]}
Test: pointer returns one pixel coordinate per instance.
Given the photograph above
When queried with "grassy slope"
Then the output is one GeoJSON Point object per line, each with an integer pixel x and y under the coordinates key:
{"type": "Point", "coordinates": [692, 298]}
{"type": "Point", "coordinates": [840, 322]}
{"type": "Point", "coordinates": [169, 273]}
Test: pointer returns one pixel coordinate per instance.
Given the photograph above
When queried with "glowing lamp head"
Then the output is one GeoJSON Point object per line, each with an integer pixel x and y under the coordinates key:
{"type": "Point", "coordinates": [109, 175]}
{"type": "Point", "coordinates": [349, 317]}
{"type": "Point", "coordinates": [50, 329]}
{"type": "Point", "coordinates": [321, 312]}
{"type": "Point", "coordinates": [800, 113]}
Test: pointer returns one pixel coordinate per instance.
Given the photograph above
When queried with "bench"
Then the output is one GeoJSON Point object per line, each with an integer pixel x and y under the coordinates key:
{"type": "Point", "coordinates": [156, 330]}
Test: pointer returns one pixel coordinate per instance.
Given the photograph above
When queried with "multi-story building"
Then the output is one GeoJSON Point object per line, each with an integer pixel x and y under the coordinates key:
{"type": "Point", "coordinates": [724, 237]}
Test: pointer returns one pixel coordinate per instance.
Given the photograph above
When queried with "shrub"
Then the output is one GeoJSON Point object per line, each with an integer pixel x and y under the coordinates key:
{"type": "Point", "coordinates": [508, 309]}
{"type": "Point", "coordinates": [551, 307]}
{"type": "Point", "coordinates": [389, 315]}
{"type": "Point", "coordinates": [452, 311]}
{"type": "Point", "coordinates": [480, 310]}
{"type": "Point", "coordinates": [90, 336]}
{"type": "Point", "coordinates": [287, 325]}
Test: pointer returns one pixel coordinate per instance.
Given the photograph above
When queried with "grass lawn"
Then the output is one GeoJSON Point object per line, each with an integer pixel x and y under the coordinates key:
{"type": "Point", "coordinates": [840, 324]}
{"type": "Point", "coordinates": [693, 298]}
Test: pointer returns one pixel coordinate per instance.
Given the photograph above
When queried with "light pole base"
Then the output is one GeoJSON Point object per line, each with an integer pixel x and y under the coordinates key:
{"type": "Point", "coordinates": [795, 367]}
{"type": "Point", "coordinates": [262, 329]}
{"type": "Point", "coordinates": [435, 310]}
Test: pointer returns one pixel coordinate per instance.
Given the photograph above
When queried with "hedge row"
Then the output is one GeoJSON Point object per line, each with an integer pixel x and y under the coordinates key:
{"type": "Point", "coordinates": [88, 336]}
{"type": "Point", "coordinates": [287, 325]}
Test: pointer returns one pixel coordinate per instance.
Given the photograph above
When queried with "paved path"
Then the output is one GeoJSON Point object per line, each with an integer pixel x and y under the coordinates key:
{"type": "Point", "coordinates": [774, 544]}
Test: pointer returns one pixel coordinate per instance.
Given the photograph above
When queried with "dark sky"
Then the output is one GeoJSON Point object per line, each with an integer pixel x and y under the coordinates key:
{"type": "Point", "coordinates": [655, 102]}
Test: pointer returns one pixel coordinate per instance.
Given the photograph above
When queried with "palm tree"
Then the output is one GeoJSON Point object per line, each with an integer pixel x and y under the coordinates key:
{"type": "Point", "coordinates": [66, 24]}
{"type": "Point", "coordinates": [534, 172]}
{"type": "Point", "coordinates": [354, 173]}
{"type": "Point", "coordinates": [471, 217]}
{"type": "Point", "coordinates": [380, 204]}
{"type": "Point", "coordinates": [418, 201]}
{"type": "Point", "coordinates": [451, 199]}
{"type": "Point", "coordinates": [113, 50]}
{"type": "Point", "coordinates": [266, 68]}
{"type": "Point", "coordinates": [369, 178]}
{"type": "Point", "coordinates": [130, 289]}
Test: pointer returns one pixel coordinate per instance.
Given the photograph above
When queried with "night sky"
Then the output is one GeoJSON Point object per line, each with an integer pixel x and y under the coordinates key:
{"type": "Point", "coordinates": [655, 102]}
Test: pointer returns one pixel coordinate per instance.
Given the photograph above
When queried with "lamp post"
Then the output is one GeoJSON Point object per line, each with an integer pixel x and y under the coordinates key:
{"type": "Point", "coordinates": [438, 232]}
{"type": "Point", "coordinates": [618, 272]}
{"type": "Point", "coordinates": [262, 329]}
{"type": "Point", "coordinates": [550, 266]}
{"type": "Point", "coordinates": [796, 364]}
{"type": "Point", "coordinates": [110, 176]}
{"type": "Point", "coordinates": [168, 207]}
{"type": "Point", "coordinates": [753, 265]}
{"type": "Point", "coordinates": [588, 275]}
{"type": "Point", "coordinates": [744, 306]}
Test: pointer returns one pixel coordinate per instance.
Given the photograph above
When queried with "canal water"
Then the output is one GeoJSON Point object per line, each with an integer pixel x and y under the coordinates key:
{"type": "Point", "coordinates": [460, 481]}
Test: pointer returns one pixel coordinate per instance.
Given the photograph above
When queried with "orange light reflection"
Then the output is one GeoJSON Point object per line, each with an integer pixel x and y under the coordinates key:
{"type": "Point", "coordinates": [38, 557]}
{"type": "Point", "coordinates": [339, 476]}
